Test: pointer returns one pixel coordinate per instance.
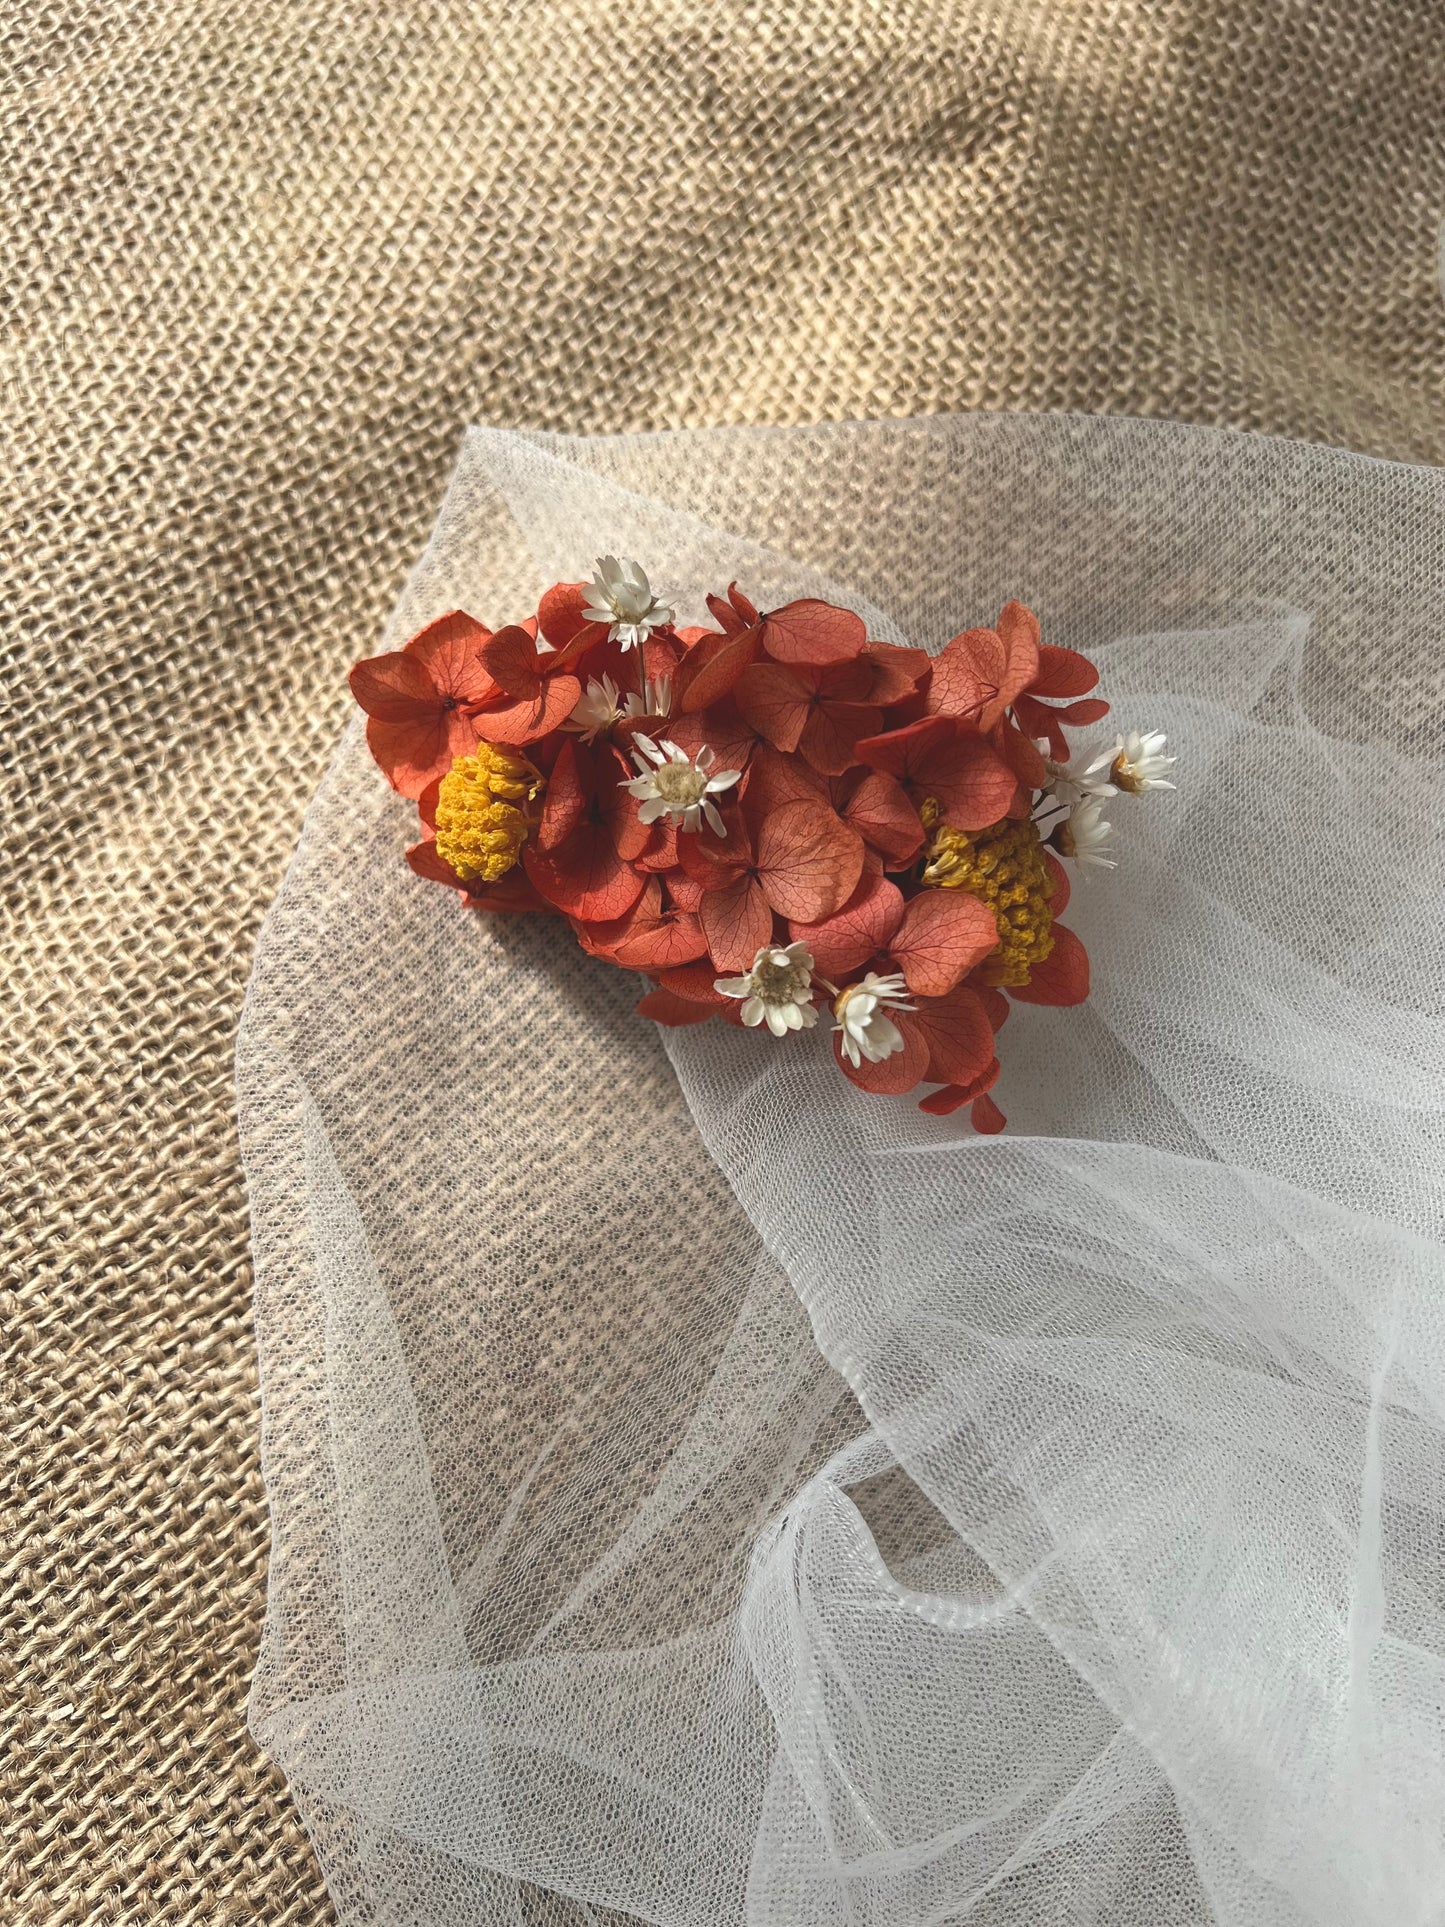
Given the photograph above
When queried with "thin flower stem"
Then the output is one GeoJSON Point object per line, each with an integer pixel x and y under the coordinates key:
{"type": "Point", "coordinates": [642, 675]}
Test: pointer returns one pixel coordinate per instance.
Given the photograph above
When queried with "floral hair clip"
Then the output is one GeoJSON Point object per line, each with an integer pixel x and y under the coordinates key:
{"type": "Point", "coordinates": [772, 817]}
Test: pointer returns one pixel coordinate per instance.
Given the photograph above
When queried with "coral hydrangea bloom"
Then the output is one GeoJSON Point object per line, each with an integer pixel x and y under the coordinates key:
{"type": "Point", "coordinates": [819, 710]}
{"type": "Point", "coordinates": [797, 859]}
{"type": "Point", "coordinates": [1002, 681]}
{"type": "Point", "coordinates": [768, 815]}
{"type": "Point", "coordinates": [943, 758]}
{"type": "Point", "coordinates": [573, 860]}
{"type": "Point", "coordinates": [418, 701]}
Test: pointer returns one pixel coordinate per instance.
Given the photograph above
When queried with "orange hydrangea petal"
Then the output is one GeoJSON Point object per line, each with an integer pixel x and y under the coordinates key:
{"type": "Point", "coordinates": [773, 701]}
{"type": "Point", "coordinates": [510, 659]}
{"type": "Point", "coordinates": [1062, 977]}
{"type": "Point", "coordinates": [831, 732]}
{"type": "Point", "coordinates": [665, 1007]}
{"type": "Point", "coordinates": [527, 719]}
{"type": "Point", "coordinates": [1063, 672]}
{"type": "Point", "coordinates": [808, 860]}
{"type": "Point", "coordinates": [958, 1035]}
{"type": "Point", "coordinates": [737, 923]}
{"type": "Point", "coordinates": [943, 934]}
{"type": "Point", "coordinates": [894, 1074]}
{"type": "Point", "coordinates": [861, 929]}
{"type": "Point", "coordinates": [952, 1097]}
{"type": "Point", "coordinates": [813, 632]}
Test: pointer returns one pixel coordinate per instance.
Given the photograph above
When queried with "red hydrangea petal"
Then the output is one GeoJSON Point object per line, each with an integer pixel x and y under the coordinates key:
{"type": "Point", "coordinates": [896, 672]}
{"type": "Point", "coordinates": [665, 1007]}
{"type": "Point", "coordinates": [943, 758]}
{"type": "Point", "coordinates": [894, 1074]}
{"type": "Point", "coordinates": [602, 939]}
{"type": "Point", "coordinates": [721, 729]}
{"type": "Point", "coordinates": [943, 934]}
{"type": "Point", "coordinates": [808, 860]}
{"type": "Point", "coordinates": [958, 1035]}
{"type": "Point", "coordinates": [952, 1097]}
{"type": "Point", "coordinates": [523, 721]}
{"type": "Point", "coordinates": [864, 926]}
{"type": "Point", "coordinates": [394, 688]}
{"type": "Point", "coordinates": [413, 755]}
{"type": "Point", "coordinates": [1059, 901]}
{"type": "Point", "coordinates": [972, 782]}
{"type": "Point", "coordinates": [774, 779]}
{"type": "Point", "coordinates": [569, 791]}
{"type": "Point", "coordinates": [1039, 719]}
{"type": "Point", "coordinates": [831, 732]}
{"type": "Point", "coordinates": [560, 614]}
{"type": "Point", "coordinates": [810, 631]}
{"type": "Point", "coordinates": [685, 891]}
{"type": "Point", "coordinates": [584, 874]}
{"type": "Point", "coordinates": [662, 943]}
{"type": "Point", "coordinates": [449, 650]}
{"type": "Point", "coordinates": [716, 862]}
{"type": "Point", "coordinates": [1021, 754]}
{"type": "Point", "coordinates": [988, 1120]}
{"type": "Point", "coordinates": [510, 894]}
{"type": "Point", "coordinates": [711, 668]}
{"type": "Point", "coordinates": [737, 923]}
{"type": "Point", "coordinates": [774, 703]}
{"type": "Point", "coordinates": [694, 982]}
{"type": "Point", "coordinates": [1062, 977]}
{"type": "Point", "coordinates": [510, 659]}
{"type": "Point", "coordinates": [966, 675]}
{"type": "Point", "coordinates": [734, 614]}
{"type": "Point", "coordinates": [996, 1006]}
{"type": "Point", "coordinates": [660, 851]}
{"type": "Point", "coordinates": [631, 835]}
{"type": "Point", "coordinates": [423, 859]}
{"type": "Point", "coordinates": [879, 810]}
{"type": "Point", "coordinates": [1063, 672]}
{"type": "Point", "coordinates": [1089, 709]}
{"type": "Point", "coordinates": [1017, 629]}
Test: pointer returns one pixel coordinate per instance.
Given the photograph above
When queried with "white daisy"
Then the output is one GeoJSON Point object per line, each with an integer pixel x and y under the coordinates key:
{"type": "Point", "coordinates": [777, 991]}
{"type": "Point", "coordinates": [602, 705]}
{"type": "Point", "coordinates": [1072, 782]}
{"type": "Point", "coordinates": [1137, 762]}
{"type": "Point", "coordinates": [659, 699]}
{"type": "Point", "coordinates": [1086, 836]}
{"type": "Point", "coordinates": [672, 783]}
{"type": "Point", "coordinates": [598, 708]}
{"type": "Point", "coordinates": [621, 596]}
{"type": "Point", "coordinates": [863, 1021]}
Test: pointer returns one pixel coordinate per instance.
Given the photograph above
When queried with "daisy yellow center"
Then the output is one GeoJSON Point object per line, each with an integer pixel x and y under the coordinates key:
{"type": "Point", "coordinates": [680, 784]}
{"type": "Point", "coordinates": [780, 983]}
{"type": "Point", "coordinates": [1124, 776]}
{"type": "Point", "coordinates": [1003, 866]}
{"type": "Point", "coordinates": [484, 812]}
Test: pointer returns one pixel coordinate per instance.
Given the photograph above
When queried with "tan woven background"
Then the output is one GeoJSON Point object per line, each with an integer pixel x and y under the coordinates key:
{"type": "Point", "coordinates": [261, 263]}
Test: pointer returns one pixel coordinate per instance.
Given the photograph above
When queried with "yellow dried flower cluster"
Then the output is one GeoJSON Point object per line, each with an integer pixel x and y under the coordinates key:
{"type": "Point", "coordinates": [483, 814]}
{"type": "Point", "coordinates": [1004, 866]}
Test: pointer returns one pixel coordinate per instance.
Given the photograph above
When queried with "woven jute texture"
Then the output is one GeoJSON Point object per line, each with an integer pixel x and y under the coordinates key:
{"type": "Point", "coordinates": [261, 264]}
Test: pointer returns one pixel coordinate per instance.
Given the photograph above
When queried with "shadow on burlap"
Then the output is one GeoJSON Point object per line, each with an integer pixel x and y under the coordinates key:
{"type": "Point", "coordinates": [261, 265]}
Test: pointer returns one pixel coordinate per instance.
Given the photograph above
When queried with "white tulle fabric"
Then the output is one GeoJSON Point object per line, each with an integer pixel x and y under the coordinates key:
{"type": "Point", "coordinates": [704, 1494]}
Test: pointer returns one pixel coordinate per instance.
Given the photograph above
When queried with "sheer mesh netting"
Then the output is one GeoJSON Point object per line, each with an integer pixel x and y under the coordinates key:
{"type": "Point", "coordinates": [706, 1493]}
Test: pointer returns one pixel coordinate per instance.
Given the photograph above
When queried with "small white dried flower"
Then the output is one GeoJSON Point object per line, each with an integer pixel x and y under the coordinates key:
{"type": "Point", "coordinates": [777, 991]}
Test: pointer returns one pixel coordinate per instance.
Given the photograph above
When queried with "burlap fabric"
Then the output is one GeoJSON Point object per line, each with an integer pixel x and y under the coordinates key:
{"type": "Point", "coordinates": [261, 264]}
